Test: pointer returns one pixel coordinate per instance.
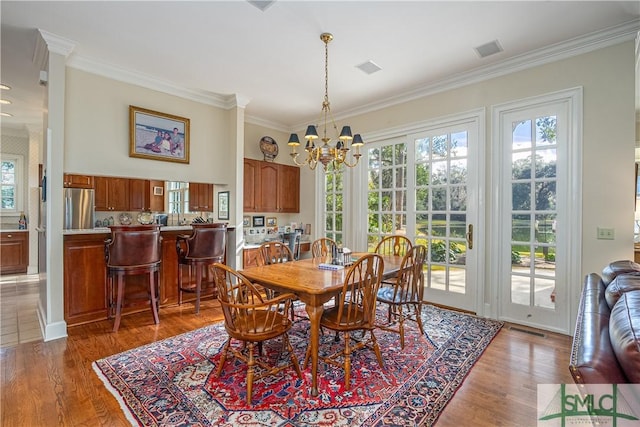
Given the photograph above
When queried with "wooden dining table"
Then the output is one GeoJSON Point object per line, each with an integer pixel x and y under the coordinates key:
{"type": "Point", "coordinates": [314, 287]}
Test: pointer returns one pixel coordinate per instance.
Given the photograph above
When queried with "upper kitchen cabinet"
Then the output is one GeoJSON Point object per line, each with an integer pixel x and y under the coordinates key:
{"type": "Point", "coordinates": [146, 195]}
{"type": "Point", "coordinates": [112, 194]}
{"type": "Point", "coordinates": [77, 181]}
{"type": "Point", "coordinates": [251, 185]}
{"type": "Point", "coordinates": [271, 187]}
{"type": "Point", "coordinates": [200, 197]}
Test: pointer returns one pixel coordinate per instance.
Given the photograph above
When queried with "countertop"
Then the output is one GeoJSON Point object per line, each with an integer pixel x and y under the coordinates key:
{"type": "Point", "coordinates": [99, 230]}
{"type": "Point", "coordinates": [13, 230]}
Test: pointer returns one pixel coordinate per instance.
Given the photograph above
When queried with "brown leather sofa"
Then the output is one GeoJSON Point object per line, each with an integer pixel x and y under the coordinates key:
{"type": "Point", "coordinates": [606, 342]}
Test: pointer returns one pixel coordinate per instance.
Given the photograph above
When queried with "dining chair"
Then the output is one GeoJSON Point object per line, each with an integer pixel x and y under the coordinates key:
{"type": "Point", "coordinates": [354, 311]}
{"type": "Point", "coordinates": [252, 319]}
{"type": "Point", "coordinates": [406, 293]}
{"type": "Point", "coordinates": [202, 248]}
{"type": "Point", "coordinates": [397, 245]}
{"type": "Point", "coordinates": [274, 253]}
{"type": "Point", "coordinates": [323, 247]}
{"type": "Point", "coordinates": [132, 250]}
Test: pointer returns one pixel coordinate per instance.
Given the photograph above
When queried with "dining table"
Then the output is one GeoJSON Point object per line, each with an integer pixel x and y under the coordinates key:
{"type": "Point", "coordinates": [314, 286]}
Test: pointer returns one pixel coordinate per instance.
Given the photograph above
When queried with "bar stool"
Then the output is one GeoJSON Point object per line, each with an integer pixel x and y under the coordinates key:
{"type": "Point", "coordinates": [132, 250]}
{"type": "Point", "coordinates": [205, 246]}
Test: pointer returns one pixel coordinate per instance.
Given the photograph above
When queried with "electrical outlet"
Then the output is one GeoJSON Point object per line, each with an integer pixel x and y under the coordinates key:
{"type": "Point", "coordinates": [606, 233]}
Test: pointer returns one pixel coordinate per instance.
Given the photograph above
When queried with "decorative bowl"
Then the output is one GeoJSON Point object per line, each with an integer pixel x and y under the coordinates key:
{"type": "Point", "coordinates": [145, 218]}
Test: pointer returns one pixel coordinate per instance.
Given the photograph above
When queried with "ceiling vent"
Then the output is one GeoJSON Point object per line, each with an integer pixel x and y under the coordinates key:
{"type": "Point", "coordinates": [488, 49]}
{"type": "Point", "coordinates": [369, 67]}
{"type": "Point", "coordinates": [262, 4]}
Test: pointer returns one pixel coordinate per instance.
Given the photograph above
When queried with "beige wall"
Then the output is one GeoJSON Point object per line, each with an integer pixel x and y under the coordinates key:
{"type": "Point", "coordinates": [97, 132]}
{"type": "Point", "coordinates": [607, 77]}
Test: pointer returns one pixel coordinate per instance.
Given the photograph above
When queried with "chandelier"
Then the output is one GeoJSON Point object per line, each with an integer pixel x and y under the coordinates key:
{"type": "Point", "coordinates": [334, 155]}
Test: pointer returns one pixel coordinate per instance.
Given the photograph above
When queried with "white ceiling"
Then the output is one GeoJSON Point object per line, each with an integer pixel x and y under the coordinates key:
{"type": "Point", "coordinates": [274, 58]}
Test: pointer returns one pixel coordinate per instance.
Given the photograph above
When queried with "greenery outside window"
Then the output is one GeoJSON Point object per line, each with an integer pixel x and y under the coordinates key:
{"type": "Point", "coordinates": [11, 184]}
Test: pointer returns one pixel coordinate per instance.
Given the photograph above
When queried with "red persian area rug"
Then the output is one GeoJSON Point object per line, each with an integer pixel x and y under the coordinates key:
{"type": "Point", "coordinates": [173, 383]}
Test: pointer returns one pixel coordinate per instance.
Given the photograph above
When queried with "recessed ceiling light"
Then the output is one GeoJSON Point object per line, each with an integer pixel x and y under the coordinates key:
{"type": "Point", "coordinates": [3, 114]}
{"type": "Point", "coordinates": [5, 101]}
{"type": "Point", "coordinates": [5, 87]}
{"type": "Point", "coordinates": [488, 49]}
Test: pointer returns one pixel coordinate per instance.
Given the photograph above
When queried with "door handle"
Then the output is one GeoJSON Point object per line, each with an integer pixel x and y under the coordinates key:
{"type": "Point", "coordinates": [470, 237]}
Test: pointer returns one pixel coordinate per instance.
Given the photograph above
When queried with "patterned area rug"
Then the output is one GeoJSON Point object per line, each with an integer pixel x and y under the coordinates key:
{"type": "Point", "coordinates": [173, 383]}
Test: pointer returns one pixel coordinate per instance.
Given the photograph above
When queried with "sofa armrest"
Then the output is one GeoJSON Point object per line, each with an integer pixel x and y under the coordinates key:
{"type": "Point", "coordinates": [593, 360]}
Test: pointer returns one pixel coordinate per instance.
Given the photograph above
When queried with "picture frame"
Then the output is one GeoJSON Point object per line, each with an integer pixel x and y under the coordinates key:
{"type": "Point", "coordinates": [158, 191]}
{"type": "Point", "coordinates": [258, 221]}
{"type": "Point", "coordinates": [223, 205]}
{"type": "Point", "coordinates": [246, 221]}
{"type": "Point", "coordinates": [272, 221]}
{"type": "Point", "coordinates": [158, 136]}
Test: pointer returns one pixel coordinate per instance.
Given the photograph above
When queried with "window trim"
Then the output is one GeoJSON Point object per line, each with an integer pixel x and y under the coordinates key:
{"type": "Point", "coordinates": [18, 159]}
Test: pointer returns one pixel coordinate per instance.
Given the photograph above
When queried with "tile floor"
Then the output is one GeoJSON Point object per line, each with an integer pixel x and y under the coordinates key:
{"type": "Point", "coordinates": [18, 310]}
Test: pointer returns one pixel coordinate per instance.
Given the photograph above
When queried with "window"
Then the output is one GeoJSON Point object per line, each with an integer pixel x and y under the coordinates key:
{"type": "Point", "coordinates": [11, 183]}
{"type": "Point", "coordinates": [178, 196]}
{"type": "Point", "coordinates": [334, 205]}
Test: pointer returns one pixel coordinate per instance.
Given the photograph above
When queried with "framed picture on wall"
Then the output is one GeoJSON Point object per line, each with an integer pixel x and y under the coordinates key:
{"type": "Point", "coordinates": [246, 221]}
{"type": "Point", "coordinates": [223, 205]}
{"type": "Point", "coordinates": [158, 136]}
{"type": "Point", "coordinates": [272, 221]}
{"type": "Point", "coordinates": [258, 221]}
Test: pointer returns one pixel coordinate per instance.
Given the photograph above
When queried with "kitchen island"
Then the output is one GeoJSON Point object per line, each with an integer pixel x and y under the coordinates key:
{"type": "Point", "coordinates": [86, 292]}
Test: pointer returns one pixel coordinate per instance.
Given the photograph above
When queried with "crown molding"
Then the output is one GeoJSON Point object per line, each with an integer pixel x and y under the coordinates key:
{"type": "Point", "coordinates": [267, 123]}
{"type": "Point", "coordinates": [100, 68]}
{"type": "Point", "coordinates": [567, 49]}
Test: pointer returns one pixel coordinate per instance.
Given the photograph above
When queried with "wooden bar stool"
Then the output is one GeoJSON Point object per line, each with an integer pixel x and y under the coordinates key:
{"type": "Point", "coordinates": [133, 250]}
{"type": "Point", "coordinates": [204, 247]}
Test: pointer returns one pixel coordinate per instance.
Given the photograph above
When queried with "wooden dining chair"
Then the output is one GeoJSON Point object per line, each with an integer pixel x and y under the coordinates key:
{"type": "Point", "coordinates": [406, 293]}
{"type": "Point", "coordinates": [252, 319]}
{"type": "Point", "coordinates": [354, 311]}
{"type": "Point", "coordinates": [397, 245]}
{"type": "Point", "coordinates": [323, 247]}
{"type": "Point", "coordinates": [274, 253]}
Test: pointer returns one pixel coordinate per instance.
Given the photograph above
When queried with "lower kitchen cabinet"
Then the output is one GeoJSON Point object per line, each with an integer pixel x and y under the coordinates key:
{"type": "Point", "coordinates": [14, 252]}
{"type": "Point", "coordinates": [86, 291]}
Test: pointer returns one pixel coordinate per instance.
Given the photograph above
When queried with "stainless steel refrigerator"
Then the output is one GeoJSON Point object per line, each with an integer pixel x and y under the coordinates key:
{"type": "Point", "coordinates": [79, 206]}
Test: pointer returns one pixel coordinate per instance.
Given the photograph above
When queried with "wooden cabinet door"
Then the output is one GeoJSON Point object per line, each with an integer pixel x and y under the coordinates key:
{"type": "Point", "coordinates": [119, 194]}
{"type": "Point", "coordinates": [14, 252]}
{"type": "Point", "coordinates": [289, 189]}
{"type": "Point", "coordinates": [138, 194]}
{"type": "Point", "coordinates": [85, 279]}
{"type": "Point", "coordinates": [200, 197]}
{"type": "Point", "coordinates": [111, 194]}
{"type": "Point", "coordinates": [77, 181]}
{"type": "Point", "coordinates": [156, 198]}
{"type": "Point", "coordinates": [101, 193]}
{"type": "Point", "coordinates": [268, 196]}
{"type": "Point", "coordinates": [251, 185]}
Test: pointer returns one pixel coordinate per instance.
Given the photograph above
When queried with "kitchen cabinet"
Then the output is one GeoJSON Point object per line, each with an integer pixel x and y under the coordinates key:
{"type": "Point", "coordinates": [77, 181]}
{"type": "Point", "coordinates": [200, 197]}
{"type": "Point", "coordinates": [112, 193]}
{"type": "Point", "coordinates": [85, 278]}
{"type": "Point", "coordinates": [271, 187]}
{"type": "Point", "coordinates": [142, 196]}
{"type": "Point", "coordinates": [251, 180]}
{"type": "Point", "coordinates": [14, 252]}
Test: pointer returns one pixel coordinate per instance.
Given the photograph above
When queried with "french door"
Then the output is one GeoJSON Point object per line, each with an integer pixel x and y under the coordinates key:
{"type": "Point", "coordinates": [425, 185]}
{"type": "Point", "coordinates": [537, 223]}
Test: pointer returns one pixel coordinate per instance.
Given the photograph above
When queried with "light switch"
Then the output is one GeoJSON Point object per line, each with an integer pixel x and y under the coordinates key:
{"type": "Point", "coordinates": [606, 233]}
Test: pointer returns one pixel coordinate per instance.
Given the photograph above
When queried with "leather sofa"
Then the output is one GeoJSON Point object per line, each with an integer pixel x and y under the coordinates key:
{"type": "Point", "coordinates": [606, 342]}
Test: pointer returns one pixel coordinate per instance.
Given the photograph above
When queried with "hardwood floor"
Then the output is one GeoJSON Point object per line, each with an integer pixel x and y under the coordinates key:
{"type": "Point", "coordinates": [53, 384]}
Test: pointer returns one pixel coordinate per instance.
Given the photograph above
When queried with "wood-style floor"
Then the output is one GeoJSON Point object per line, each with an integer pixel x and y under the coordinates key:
{"type": "Point", "coordinates": [53, 384]}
